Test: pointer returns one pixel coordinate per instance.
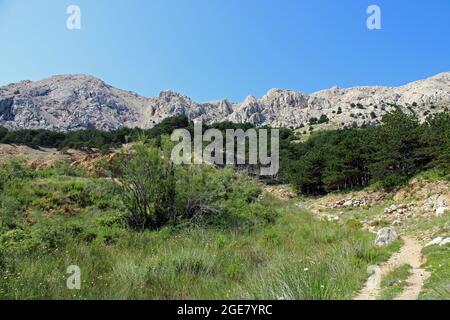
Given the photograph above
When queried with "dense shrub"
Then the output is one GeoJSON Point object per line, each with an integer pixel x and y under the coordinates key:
{"type": "Point", "coordinates": [156, 193]}
{"type": "Point", "coordinates": [148, 182]}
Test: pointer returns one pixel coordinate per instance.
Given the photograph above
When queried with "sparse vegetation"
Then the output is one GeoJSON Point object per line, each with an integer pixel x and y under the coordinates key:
{"type": "Point", "coordinates": [438, 286]}
{"type": "Point", "coordinates": [438, 259]}
{"type": "Point", "coordinates": [395, 282]}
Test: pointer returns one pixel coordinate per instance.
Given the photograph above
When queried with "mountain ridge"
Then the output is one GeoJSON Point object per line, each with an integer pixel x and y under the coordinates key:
{"type": "Point", "coordinates": [79, 101]}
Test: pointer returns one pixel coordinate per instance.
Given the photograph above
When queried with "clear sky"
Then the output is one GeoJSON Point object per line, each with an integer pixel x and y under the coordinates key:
{"type": "Point", "coordinates": [213, 49]}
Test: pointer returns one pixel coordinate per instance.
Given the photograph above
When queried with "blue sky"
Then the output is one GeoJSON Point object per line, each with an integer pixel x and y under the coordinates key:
{"type": "Point", "coordinates": [213, 49]}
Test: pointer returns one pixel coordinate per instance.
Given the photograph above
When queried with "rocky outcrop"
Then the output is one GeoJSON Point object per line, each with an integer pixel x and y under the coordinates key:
{"type": "Point", "coordinates": [71, 102]}
{"type": "Point", "coordinates": [6, 109]}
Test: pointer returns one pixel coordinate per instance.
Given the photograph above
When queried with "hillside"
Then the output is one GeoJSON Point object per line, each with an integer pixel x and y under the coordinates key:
{"type": "Point", "coordinates": [138, 227]}
{"type": "Point", "coordinates": [71, 102]}
{"type": "Point", "coordinates": [255, 243]}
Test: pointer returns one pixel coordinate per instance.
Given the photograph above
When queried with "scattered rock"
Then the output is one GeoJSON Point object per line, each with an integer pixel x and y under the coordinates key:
{"type": "Point", "coordinates": [385, 237]}
{"type": "Point", "coordinates": [399, 210]}
{"type": "Point", "coordinates": [282, 192]}
{"type": "Point", "coordinates": [350, 203]}
{"type": "Point", "coordinates": [391, 209]}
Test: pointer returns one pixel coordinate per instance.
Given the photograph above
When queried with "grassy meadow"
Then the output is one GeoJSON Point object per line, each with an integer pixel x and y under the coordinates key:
{"type": "Point", "coordinates": [251, 246]}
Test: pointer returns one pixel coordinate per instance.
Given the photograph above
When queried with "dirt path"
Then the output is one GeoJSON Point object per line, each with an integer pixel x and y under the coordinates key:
{"type": "Point", "coordinates": [410, 254]}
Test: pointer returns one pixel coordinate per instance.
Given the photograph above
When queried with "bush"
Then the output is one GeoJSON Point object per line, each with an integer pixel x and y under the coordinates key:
{"type": "Point", "coordinates": [15, 240]}
{"type": "Point", "coordinates": [313, 121]}
{"type": "Point", "coordinates": [148, 183]}
{"type": "Point", "coordinates": [9, 213]}
{"type": "Point", "coordinates": [14, 170]}
{"type": "Point", "coordinates": [157, 194]}
{"type": "Point", "coordinates": [393, 180]}
{"type": "Point", "coordinates": [323, 119]}
{"type": "Point", "coordinates": [354, 224]}
{"type": "Point", "coordinates": [3, 132]}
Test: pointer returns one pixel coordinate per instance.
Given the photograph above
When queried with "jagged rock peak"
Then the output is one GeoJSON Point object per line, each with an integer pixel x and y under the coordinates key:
{"type": "Point", "coordinates": [71, 102]}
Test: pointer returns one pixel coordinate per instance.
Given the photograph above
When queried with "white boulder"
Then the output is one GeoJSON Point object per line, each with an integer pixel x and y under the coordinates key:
{"type": "Point", "coordinates": [385, 237]}
{"type": "Point", "coordinates": [435, 242]}
{"type": "Point", "coordinates": [445, 242]}
{"type": "Point", "coordinates": [348, 203]}
{"type": "Point", "coordinates": [440, 211]}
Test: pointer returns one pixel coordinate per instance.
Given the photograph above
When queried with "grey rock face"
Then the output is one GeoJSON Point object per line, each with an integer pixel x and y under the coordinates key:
{"type": "Point", "coordinates": [5, 109]}
{"type": "Point", "coordinates": [72, 102]}
{"type": "Point", "coordinates": [385, 237]}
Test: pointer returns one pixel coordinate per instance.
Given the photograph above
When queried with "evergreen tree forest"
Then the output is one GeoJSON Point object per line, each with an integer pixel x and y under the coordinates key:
{"type": "Point", "coordinates": [386, 155]}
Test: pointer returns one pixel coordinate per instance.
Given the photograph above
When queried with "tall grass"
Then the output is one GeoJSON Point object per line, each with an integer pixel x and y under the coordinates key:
{"type": "Point", "coordinates": [296, 258]}
{"type": "Point", "coordinates": [254, 249]}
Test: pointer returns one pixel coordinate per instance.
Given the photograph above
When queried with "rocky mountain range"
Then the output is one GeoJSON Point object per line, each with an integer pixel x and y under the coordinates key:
{"type": "Point", "coordinates": [72, 102]}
